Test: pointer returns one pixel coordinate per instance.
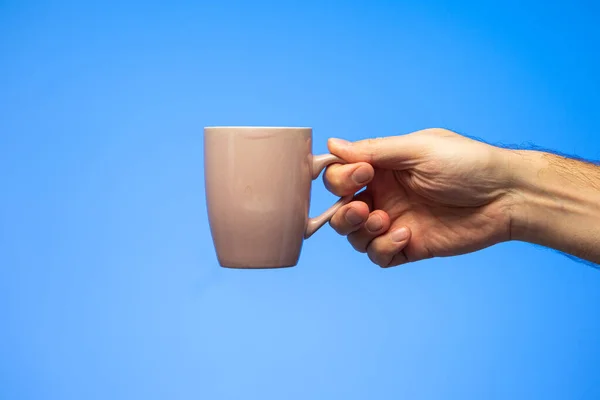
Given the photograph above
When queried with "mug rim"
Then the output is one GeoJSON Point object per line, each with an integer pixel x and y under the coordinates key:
{"type": "Point", "coordinates": [257, 127]}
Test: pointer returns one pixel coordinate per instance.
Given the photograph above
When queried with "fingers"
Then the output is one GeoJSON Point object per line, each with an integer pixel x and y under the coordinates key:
{"type": "Point", "coordinates": [377, 224]}
{"type": "Point", "coordinates": [387, 250]}
{"type": "Point", "coordinates": [395, 152]}
{"type": "Point", "coordinates": [350, 217]}
{"type": "Point", "coordinates": [369, 232]}
{"type": "Point", "coordinates": [346, 179]}
{"type": "Point", "coordinates": [353, 215]}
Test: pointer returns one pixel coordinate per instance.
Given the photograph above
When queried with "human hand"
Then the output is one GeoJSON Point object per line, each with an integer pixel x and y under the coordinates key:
{"type": "Point", "coordinates": [431, 193]}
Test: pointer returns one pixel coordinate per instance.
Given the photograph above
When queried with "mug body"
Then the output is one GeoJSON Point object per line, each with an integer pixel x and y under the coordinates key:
{"type": "Point", "coordinates": [258, 183]}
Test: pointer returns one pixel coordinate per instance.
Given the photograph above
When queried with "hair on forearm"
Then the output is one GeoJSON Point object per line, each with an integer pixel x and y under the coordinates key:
{"type": "Point", "coordinates": [583, 171]}
{"type": "Point", "coordinates": [535, 147]}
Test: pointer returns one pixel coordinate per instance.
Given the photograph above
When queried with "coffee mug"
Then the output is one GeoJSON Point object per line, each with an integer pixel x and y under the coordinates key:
{"type": "Point", "coordinates": [258, 186]}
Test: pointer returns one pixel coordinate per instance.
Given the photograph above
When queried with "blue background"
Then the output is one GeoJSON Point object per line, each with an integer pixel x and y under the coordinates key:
{"type": "Point", "coordinates": [109, 285]}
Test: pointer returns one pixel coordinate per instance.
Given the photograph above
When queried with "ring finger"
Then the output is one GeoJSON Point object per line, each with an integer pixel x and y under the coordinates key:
{"type": "Point", "coordinates": [377, 224]}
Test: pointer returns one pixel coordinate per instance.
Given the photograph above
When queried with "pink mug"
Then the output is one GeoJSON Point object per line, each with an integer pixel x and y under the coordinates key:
{"type": "Point", "coordinates": [258, 184]}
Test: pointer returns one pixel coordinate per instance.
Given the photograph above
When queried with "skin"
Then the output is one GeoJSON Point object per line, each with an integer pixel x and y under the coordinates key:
{"type": "Point", "coordinates": [435, 193]}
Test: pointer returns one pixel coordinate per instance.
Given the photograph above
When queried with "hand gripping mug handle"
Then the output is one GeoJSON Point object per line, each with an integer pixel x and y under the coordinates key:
{"type": "Point", "coordinates": [318, 165]}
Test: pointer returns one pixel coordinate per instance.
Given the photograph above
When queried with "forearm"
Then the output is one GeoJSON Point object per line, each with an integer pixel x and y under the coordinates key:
{"type": "Point", "coordinates": [556, 203]}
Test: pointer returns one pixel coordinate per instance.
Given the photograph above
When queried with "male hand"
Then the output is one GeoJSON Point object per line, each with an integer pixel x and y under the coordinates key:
{"type": "Point", "coordinates": [435, 193]}
{"type": "Point", "coordinates": [430, 193]}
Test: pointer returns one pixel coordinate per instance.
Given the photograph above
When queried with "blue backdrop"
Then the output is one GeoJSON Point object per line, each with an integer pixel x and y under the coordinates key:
{"type": "Point", "coordinates": [109, 285]}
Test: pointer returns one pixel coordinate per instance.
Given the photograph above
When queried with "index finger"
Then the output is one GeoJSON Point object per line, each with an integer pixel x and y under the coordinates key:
{"type": "Point", "coordinates": [345, 179]}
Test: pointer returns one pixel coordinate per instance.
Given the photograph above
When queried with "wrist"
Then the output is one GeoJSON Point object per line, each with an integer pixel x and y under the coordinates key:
{"type": "Point", "coordinates": [523, 170]}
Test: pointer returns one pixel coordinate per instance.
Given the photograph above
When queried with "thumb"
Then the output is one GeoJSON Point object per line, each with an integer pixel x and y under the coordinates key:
{"type": "Point", "coordinates": [392, 152]}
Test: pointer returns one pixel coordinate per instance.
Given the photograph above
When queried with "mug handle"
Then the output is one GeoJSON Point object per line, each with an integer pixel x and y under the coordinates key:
{"type": "Point", "coordinates": [318, 165]}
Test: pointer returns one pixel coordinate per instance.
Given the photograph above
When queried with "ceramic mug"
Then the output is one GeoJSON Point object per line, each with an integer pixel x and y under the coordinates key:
{"type": "Point", "coordinates": [258, 185]}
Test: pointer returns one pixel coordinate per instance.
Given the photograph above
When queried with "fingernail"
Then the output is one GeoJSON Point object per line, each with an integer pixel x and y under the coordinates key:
{"type": "Point", "coordinates": [362, 175]}
{"type": "Point", "coordinates": [399, 235]}
{"type": "Point", "coordinates": [339, 142]}
{"type": "Point", "coordinates": [374, 223]}
{"type": "Point", "coordinates": [353, 217]}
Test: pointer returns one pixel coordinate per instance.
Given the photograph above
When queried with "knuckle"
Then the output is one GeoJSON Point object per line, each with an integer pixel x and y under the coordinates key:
{"type": "Point", "coordinates": [378, 259]}
{"type": "Point", "coordinates": [357, 243]}
{"type": "Point", "coordinates": [440, 132]}
{"type": "Point", "coordinates": [335, 219]}
{"type": "Point", "coordinates": [371, 149]}
{"type": "Point", "coordinates": [336, 227]}
{"type": "Point", "coordinates": [334, 182]}
{"type": "Point", "coordinates": [380, 253]}
{"type": "Point", "coordinates": [336, 222]}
